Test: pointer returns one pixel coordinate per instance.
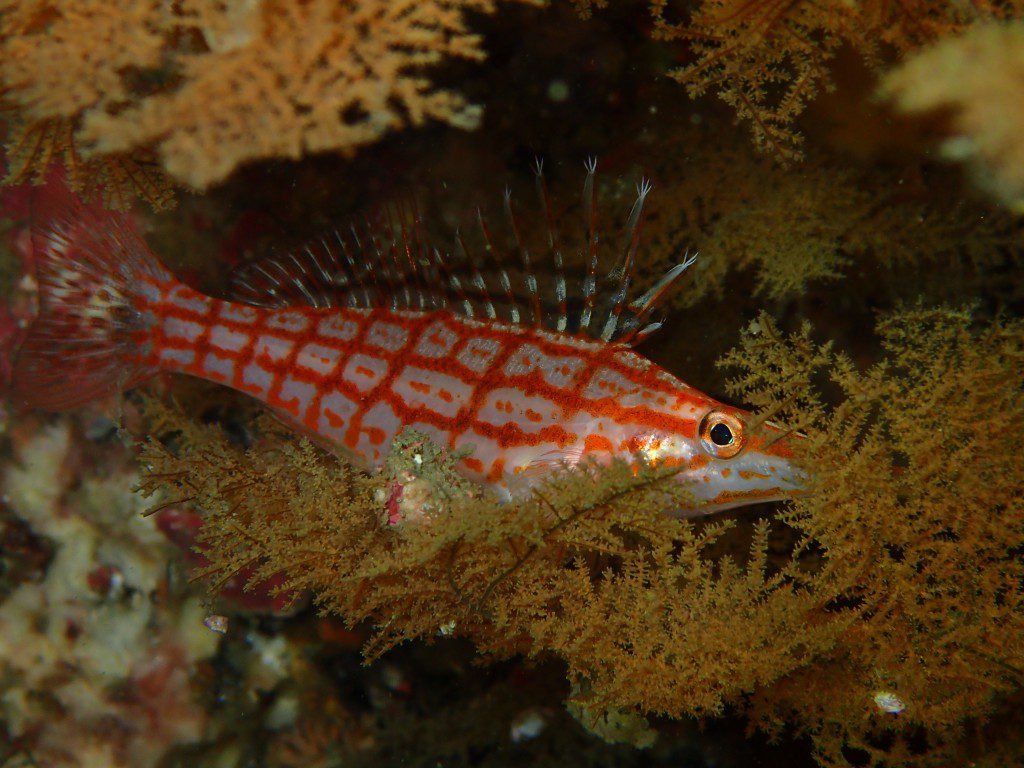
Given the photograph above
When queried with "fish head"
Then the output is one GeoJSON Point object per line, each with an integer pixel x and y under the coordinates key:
{"type": "Point", "coordinates": [731, 461]}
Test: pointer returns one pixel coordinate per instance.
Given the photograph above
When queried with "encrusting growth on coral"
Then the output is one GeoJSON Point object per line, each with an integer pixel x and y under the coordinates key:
{"type": "Point", "coordinates": [900, 588]}
{"type": "Point", "coordinates": [976, 78]}
{"type": "Point", "coordinates": [205, 86]}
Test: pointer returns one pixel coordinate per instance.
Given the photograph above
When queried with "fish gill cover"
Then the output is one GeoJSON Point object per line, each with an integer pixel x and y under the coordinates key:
{"type": "Point", "coordinates": [869, 294]}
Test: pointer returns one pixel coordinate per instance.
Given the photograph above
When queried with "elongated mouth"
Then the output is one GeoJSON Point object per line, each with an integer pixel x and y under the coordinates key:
{"type": "Point", "coordinates": [751, 478]}
{"type": "Point", "coordinates": [731, 499]}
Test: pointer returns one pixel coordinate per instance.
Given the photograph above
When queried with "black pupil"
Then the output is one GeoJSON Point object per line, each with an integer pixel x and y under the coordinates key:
{"type": "Point", "coordinates": [721, 434]}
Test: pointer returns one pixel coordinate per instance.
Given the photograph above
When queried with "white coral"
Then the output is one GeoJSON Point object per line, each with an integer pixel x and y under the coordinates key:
{"type": "Point", "coordinates": [61, 641]}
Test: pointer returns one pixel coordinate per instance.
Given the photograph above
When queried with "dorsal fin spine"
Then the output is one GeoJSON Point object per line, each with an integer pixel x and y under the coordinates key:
{"type": "Point", "coordinates": [253, 289]}
{"type": "Point", "coordinates": [303, 285]}
{"type": "Point", "coordinates": [561, 296]}
{"type": "Point", "coordinates": [476, 279]}
{"type": "Point", "coordinates": [414, 256]}
{"type": "Point", "coordinates": [589, 293]}
{"type": "Point", "coordinates": [324, 273]}
{"type": "Point", "coordinates": [633, 227]}
{"type": "Point", "coordinates": [529, 279]}
{"type": "Point", "coordinates": [411, 242]}
{"type": "Point", "coordinates": [624, 271]}
{"type": "Point", "coordinates": [524, 254]}
{"type": "Point", "coordinates": [545, 202]}
{"type": "Point", "coordinates": [650, 298]}
{"type": "Point", "coordinates": [404, 250]}
{"type": "Point", "coordinates": [338, 274]}
{"type": "Point", "coordinates": [515, 313]}
{"type": "Point", "coordinates": [590, 281]}
{"type": "Point", "coordinates": [374, 276]}
{"type": "Point", "coordinates": [643, 333]}
{"type": "Point", "coordinates": [612, 324]}
{"type": "Point", "coordinates": [480, 282]}
{"type": "Point", "coordinates": [344, 267]}
{"type": "Point", "coordinates": [503, 276]}
{"type": "Point", "coordinates": [354, 266]}
{"type": "Point", "coordinates": [454, 281]}
{"type": "Point", "coordinates": [280, 279]}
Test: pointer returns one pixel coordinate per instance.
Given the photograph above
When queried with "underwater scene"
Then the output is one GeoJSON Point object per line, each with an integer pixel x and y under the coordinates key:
{"type": "Point", "coordinates": [484, 383]}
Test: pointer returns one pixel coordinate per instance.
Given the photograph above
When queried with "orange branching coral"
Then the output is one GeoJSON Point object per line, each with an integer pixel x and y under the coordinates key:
{"type": "Point", "coordinates": [767, 60]}
{"type": "Point", "coordinates": [290, 78]}
{"type": "Point", "coordinates": [206, 85]}
{"type": "Point", "coordinates": [977, 78]}
{"type": "Point", "coordinates": [59, 60]}
{"type": "Point", "coordinates": [895, 585]}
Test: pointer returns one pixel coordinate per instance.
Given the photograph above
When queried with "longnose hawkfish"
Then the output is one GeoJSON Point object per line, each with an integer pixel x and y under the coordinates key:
{"type": "Point", "coordinates": [358, 337]}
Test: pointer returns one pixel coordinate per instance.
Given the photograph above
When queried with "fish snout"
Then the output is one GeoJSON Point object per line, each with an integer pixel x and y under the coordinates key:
{"type": "Point", "coordinates": [752, 469]}
{"type": "Point", "coordinates": [753, 477]}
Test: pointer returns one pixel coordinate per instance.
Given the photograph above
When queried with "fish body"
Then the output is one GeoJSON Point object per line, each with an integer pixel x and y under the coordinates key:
{"type": "Point", "coordinates": [514, 400]}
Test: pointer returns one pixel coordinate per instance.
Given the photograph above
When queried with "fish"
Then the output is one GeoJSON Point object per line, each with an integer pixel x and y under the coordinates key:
{"type": "Point", "coordinates": [516, 370]}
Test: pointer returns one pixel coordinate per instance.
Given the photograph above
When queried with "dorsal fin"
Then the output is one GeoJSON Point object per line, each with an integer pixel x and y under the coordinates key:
{"type": "Point", "coordinates": [397, 267]}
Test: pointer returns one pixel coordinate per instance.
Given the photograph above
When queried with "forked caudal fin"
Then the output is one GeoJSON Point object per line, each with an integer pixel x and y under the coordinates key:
{"type": "Point", "coordinates": [92, 268]}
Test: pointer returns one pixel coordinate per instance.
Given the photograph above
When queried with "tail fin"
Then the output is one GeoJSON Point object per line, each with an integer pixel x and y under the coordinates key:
{"type": "Point", "coordinates": [87, 340]}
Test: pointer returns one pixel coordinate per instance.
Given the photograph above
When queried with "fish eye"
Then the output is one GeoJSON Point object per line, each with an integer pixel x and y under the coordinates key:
{"type": "Point", "coordinates": [721, 434]}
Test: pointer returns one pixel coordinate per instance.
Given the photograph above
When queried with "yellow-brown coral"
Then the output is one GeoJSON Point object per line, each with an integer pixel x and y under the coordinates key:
{"type": "Point", "coordinates": [901, 578]}
{"type": "Point", "coordinates": [917, 515]}
{"type": "Point", "coordinates": [285, 79]}
{"type": "Point", "coordinates": [794, 230]}
{"type": "Point", "coordinates": [767, 60]}
{"type": "Point", "coordinates": [58, 60]}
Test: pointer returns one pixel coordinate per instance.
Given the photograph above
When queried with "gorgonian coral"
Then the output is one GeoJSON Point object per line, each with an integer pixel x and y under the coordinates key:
{"type": "Point", "coordinates": [896, 583]}
{"type": "Point", "coordinates": [915, 520]}
{"type": "Point", "coordinates": [794, 232]}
